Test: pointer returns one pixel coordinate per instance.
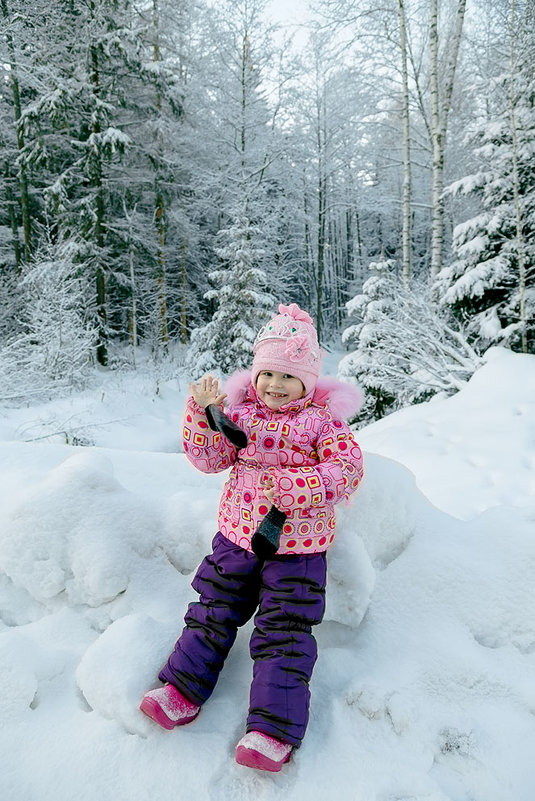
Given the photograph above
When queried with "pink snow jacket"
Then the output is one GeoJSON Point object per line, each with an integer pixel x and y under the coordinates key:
{"type": "Point", "coordinates": [304, 446]}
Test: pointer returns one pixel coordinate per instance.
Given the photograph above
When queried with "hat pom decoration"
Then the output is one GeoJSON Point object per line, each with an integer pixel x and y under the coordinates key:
{"type": "Point", "coordinates": [296, 313]}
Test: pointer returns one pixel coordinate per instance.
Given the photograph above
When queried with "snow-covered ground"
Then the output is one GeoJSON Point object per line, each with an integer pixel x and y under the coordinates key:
{"type": "Point", "coordinates": [425, 685]}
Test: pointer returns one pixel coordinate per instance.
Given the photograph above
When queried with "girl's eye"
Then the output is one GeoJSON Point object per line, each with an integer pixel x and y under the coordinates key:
{"type": "Point", "coordinates": [287, 376]}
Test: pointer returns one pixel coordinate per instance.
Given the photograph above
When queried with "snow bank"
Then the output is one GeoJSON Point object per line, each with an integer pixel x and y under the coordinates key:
{"type": "Point", "coordinates": [127, 410]}
{"type": "Point", "coordinates": [424, 687]}
{"type": "Point", "coordinates": [76, 535]}
{"type": "Point", "coordinates": [475, 450]}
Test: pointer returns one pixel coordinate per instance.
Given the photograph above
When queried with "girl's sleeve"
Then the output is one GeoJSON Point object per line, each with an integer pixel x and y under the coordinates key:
{"type": "Point", "coordinates": [338, 473]}
{"type": "Point", "coordinates": [207, 450]}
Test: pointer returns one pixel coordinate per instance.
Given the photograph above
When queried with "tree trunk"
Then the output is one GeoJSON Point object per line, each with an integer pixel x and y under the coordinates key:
{"type": "Point", "coordinates": [23, 179]}
{"type": "Point", "coordinates": [437, 182]}
{"type": "Point", "coordinates": [407, 188]}
{"type": "Point", "coordinates": [359, 264]}
{"type": "Point", "coordinates": [320, 249]}
{"type": "Point", "coordinates": [341, 270]}
{"type": "Point", "coordinates": [440, 107]}
{"type": "Point", "coordinates": [183, 295]}
{"type": "Point", "coordinates": [244, 57]}
{"type": "Point", "coordinates": [350, 246]}
{"type": "Point", "coordinates": [322, 214]}
{"type": "Point", "coordinates": [133, 310]}
{"type": "Point", "coordinates": [96, 183]}
{"type": "Point", "coordinates": [309, 260]}
{"type": "Point", "coordinates": [161, 277]}
{"type": "Point", "coordinates": [516, 193]}
{"type": "Point", "coordinates": [12, 204]}
{"type": "Point", "coordinates": [160, 211]}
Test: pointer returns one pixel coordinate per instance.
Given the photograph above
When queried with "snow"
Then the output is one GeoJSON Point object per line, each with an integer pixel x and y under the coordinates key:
{"type": "Point", "coordinates": [480, 443]}
{"type": "Point", "coordinates": [476, 278]}
{"type": "Point", "coordinates": [473, 247]}
{"type": "Point", "coordinates": [424, 687]}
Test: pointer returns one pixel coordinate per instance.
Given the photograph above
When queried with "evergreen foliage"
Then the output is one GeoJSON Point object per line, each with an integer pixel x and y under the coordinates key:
{"type": "Point", "coordinates": [192, 169]}
{"type": "Point", "coordinates": [405, 348]}
{"type": "Point", "coordinates": [58, 338]}
{"type": "Point", "coordinates": [490, 285]}
{"type": "Point", "coordinates": [242, 302]}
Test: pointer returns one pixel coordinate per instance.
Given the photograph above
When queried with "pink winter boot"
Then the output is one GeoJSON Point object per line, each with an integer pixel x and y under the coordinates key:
{"type": "Point", "coordinates": [168, 707]}
{"type": "Point", "coordinates": [258, 750]}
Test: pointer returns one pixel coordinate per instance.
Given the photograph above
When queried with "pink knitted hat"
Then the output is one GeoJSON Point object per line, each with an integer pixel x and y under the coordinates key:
{"type": "Point", "coordinates": [289, 344]}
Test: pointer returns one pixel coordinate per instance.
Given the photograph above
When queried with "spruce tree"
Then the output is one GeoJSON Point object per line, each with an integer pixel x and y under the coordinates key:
{"type": "Point", "coordinates": [406, 349]}
{"type": "Point", "coordinates": [491, 283]}
{"type": "Point", "coordinates": [242, 302]}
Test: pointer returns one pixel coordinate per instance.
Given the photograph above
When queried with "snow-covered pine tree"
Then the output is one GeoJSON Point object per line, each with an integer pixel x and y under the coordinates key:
{"type": "Point", "coordinates": [74, 142]}
{"type": "Point", "coordinates": [240, 132]}
{"type": "Point", "coordinates": [243, 304]}
{"type": "Point", "coordinates": [158, 197]}
{"type": "Point", "coordinates": [368, 310]}
{"type": "Point", "coordinates": [14, 43]}
{"type": "Point", "coordinates": [58, 338]}
{"type": "Point", "coordinates": [491, 283]}
{"type": "Point", "coordinates": [406, 349]}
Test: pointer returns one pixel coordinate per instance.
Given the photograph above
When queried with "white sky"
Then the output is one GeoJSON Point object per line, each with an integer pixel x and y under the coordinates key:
{"type": "Point", "coordinates": [293, 14]}
{"type": "Point", "coordinates": [288, 11]}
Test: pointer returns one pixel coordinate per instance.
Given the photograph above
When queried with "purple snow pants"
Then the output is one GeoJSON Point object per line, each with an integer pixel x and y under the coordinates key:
{"type": "Point", "coordinates": [288, 593]}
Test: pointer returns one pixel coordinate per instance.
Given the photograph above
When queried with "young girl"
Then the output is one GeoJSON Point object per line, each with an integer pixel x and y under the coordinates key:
{"type": "Point", "coordinates": [300, 459]}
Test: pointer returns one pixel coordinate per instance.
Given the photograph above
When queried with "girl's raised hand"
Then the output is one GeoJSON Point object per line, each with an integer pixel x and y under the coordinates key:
{"type": "Point", "coordinates": [207, 391]}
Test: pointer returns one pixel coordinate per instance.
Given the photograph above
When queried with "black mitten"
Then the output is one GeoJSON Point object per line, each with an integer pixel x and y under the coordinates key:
{"type": "Point", "coordinates": [219, 421]}
{"type": "Point", "coordinates": [265, 540]}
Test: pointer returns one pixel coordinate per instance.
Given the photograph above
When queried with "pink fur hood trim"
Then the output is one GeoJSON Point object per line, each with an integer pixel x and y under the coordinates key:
{"type": "Point", "coordinates": [343, 400]}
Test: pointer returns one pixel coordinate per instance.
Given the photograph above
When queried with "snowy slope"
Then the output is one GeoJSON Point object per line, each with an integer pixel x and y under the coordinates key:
{"type": "Point", "coordinates": [482, 440]}
{"type": "Point", "coordinates": [424, 689]}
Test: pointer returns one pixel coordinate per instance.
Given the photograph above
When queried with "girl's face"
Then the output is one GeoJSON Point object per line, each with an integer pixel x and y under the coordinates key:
{"type": "Point", "coordinates": [276, 389]}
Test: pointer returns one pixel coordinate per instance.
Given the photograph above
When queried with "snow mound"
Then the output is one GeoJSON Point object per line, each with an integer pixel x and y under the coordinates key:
{"type": "Point", "coordinates": [474, 450]}
{"type": "Point", "coordinates": [373, 530]}
{"type": "Point", "coordinates": [423, 690]}
{"type": "Point", "coordinates": [17, 679]}
{"type": "Point", "coordinates": [188, 526]}
{"type": "Point", "coordinates": [120, 665]}
{"type": "Point", "coordinates": [77, 534]}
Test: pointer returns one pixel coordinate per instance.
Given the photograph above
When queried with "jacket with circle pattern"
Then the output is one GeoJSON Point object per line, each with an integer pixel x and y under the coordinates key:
{"type": "Point", "coordinates": [306, 448]}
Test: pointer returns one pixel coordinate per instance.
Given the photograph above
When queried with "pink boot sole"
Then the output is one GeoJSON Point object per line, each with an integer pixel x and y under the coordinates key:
{"type": "Point", "coordinates": [254, 759]}
{"type": "Point", "coordinates": [153, 710]}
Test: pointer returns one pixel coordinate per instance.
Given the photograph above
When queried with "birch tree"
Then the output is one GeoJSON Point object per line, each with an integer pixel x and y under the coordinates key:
{"type": "Point", "coordinates": [441, 97]}
{"type": "Point", "coordinates": [407, 183]}
{"type": "Point", "coordinates": [385, 43]}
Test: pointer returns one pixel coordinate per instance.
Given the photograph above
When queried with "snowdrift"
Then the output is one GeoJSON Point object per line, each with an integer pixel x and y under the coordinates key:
{"type": "Point", "coordinates": [424, 687]}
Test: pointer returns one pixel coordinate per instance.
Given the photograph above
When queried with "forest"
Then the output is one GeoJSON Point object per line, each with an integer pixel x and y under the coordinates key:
{"type": "Point", "coordinates": [172, 169]}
